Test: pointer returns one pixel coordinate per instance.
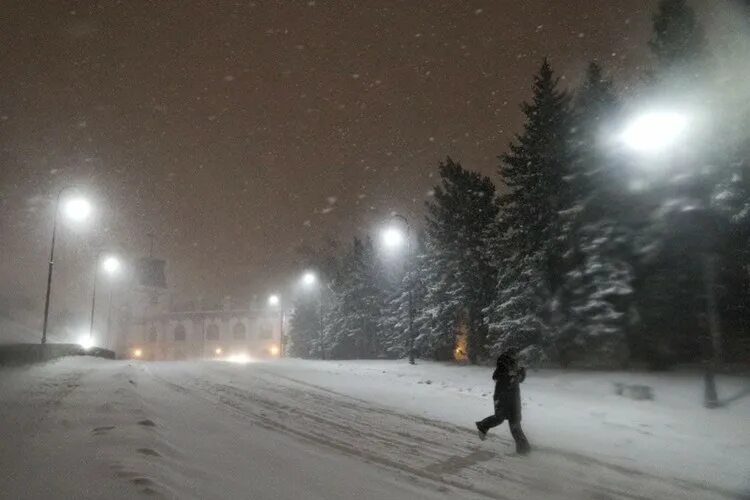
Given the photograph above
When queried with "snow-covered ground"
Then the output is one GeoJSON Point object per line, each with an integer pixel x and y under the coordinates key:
{"type": "Point", "coordinates": [92, 428]}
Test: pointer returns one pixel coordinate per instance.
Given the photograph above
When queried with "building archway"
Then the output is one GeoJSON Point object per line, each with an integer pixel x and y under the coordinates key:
{"type": "Point", "coordinates": [212, 332]}
{"type": "Point", "coordinates": [239, 332]}
{"type": "Point", "coordinates": [179, 333]}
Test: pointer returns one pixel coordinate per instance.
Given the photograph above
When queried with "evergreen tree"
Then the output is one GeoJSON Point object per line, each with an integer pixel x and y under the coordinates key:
{"type": "Point", "coordinates": [678, 41]}
{"type": "Point", "coordinates": [534, 170]}
{"type": "Point", "coordinates": [353, 324]}
{"type": "Point", "coordinates": [528, 238]}
{"type": "Point", "coordinates": [670, 298]}
{"type": "Point", "coordinates": [304, 329]}
{"type": "Point", "coordinates": [409, 290]}
{"type": "Point", "coordinates": [598, 259]}
{"type": "Point", "coordinates": [518, 316]}
{"type": "Point", "coordinates": [459, 278]}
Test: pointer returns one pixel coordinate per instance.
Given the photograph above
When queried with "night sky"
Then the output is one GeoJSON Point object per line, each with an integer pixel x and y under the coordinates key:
{"type": "Point", "coordinates": [238, 131]}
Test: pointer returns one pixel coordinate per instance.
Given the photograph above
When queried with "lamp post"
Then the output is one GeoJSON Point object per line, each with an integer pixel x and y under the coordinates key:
{"type": "Point", "coordinates": [110, 265]}
{"type": "Point", "coordinates": [275, 301]}
{"type": "Point", "coordinates": [394, 238]}
{"type": "Point", "coordinates": [310, 280]}
{"type": "Point", "coordinates": [76, 209]}
{"type": "Point", "coordinates": [657, 132]}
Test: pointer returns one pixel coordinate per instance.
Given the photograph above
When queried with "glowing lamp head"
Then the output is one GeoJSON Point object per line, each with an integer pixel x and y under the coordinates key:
{"type": "Point", "coordinates": [309, 278]}
{"type": "Point", "coordinates": [77, 209]}
{"type": "Point", "coordinates": [274, 300]}
{"type": "Point", "coordinates": [218, 351]}
{"type": "Point", "coordinates": [655, 131]}
{"type": "Point", "coordinates": [392, 238]}
{"type": "Point", "coordinates": [274, 350]}
{"type": "Point", "coordinates": [137, 353]}
{"type": "Point", "coordinates": [111, 265]}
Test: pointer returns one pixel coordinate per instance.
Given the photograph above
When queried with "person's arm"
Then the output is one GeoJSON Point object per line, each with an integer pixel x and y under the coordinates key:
{"type": "Point", "coordinates": [496, 373]}
{"type": "Point", "coordinates": [521, 374]}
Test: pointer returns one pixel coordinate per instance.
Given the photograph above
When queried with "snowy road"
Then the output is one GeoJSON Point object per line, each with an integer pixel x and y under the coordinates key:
{"type": "Point", "coordinates": [91, 428]}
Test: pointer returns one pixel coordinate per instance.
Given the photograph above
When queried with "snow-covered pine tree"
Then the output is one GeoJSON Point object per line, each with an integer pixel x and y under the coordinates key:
{"type": "Point", "coordinates": [304, 328]}
{"type": "Point", "coordinates": [670, 292]}
{"type": "Point", "coordinates": [678, 41]}
{"type": "Point", "coordinates": [353, 324]}
{"type": "Point", "coordinates": [528, 238]}
{"type": "Point", "coordinates": [598, 257]}
{"type": "Point", "coordinates": [459, 278]}
{"type": "Point", "coordinates": [394, 325]}
{"type": "Point", "coordinates": [519, 317]}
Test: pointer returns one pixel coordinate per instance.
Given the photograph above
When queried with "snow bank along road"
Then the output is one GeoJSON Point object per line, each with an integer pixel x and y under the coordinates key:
{"type": "Point", "coordinates": [92, 428]}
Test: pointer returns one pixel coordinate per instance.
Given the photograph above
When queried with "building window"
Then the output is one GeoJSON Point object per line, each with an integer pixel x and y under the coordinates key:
{"type": "Point", "coordinates": [266, 332]}
{"type": "Point", "coordinates": [152, 336]}
{"type": "Point", "coordinates": [239, 332]}
{"type": "Point", "coordinates": [179, 333]}
{"type": "Point", "coordinates": [212, 333]}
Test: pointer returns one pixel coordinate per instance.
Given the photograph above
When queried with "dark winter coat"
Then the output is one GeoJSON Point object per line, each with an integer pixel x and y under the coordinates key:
{"type": "Point", "coordinates": [507, 376]}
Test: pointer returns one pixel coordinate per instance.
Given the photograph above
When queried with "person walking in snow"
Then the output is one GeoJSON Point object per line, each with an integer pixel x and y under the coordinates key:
{"type": "Point", "coordinates": [507, 376]}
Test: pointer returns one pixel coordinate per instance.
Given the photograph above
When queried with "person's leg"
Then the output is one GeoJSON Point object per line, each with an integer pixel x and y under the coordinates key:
{"type": "Point", "coordinates": [488, 423]}
{"type": "Point", "coordinates": [522, 444]}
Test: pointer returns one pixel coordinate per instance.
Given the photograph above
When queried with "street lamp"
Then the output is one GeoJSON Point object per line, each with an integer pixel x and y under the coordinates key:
{"type": "Point", "coordinates": [77, 209]}
{"type": "Point", "coordinates": [657, 132]}
{"type": "Point", "coordinates": [275, 301]}
{"type": "Point", "coordinates": [111, 266]}
{"type": "Point", "coordinates": [394, 238]}
{"type": "Point", "coordinates": [310, 280]}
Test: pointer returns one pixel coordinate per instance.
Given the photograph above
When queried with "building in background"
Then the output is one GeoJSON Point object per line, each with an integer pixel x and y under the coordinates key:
{"type": "Point", "coordinates": [154, 327]}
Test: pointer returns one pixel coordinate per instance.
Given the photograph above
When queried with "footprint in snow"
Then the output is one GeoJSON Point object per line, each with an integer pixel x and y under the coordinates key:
{"type": "Point", "coordinates": [142, 481]}
{"type": "Point", "coordinates": [147, 423]}
{"type": "Point", "coordinates": [97, 431]}
{"type": "Point", "coordinates": [148, 452]}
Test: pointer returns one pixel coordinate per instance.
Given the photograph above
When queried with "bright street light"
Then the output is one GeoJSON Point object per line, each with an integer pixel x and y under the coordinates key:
{"type": "Point", "coordinates": [654, 131]}
{"type": "Point", "coordinates": [309, 278]}
{"type": "Point", "coordinates": [111, 265]}
{"type": "Point", "coordinates": [392, 238]}
{"type": "Point", "coordinates": [77, 209]}
{"type": "Point", "coordinates": [274, 300]}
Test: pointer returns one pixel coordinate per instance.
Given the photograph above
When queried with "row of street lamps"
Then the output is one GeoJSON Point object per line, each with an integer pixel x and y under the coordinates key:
{"type": "Point", "coordinates": [652, 134]}
{"type": "Point", "coordinates": [77, 208]}
{"type": "Point", "coordinates": [394, 237]}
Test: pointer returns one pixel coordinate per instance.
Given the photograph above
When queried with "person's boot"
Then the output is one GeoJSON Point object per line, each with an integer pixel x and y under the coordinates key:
{"type": "Point", "coordinates": [481, 432]}
{"type": "Point", "coordinates": [523, 448]}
